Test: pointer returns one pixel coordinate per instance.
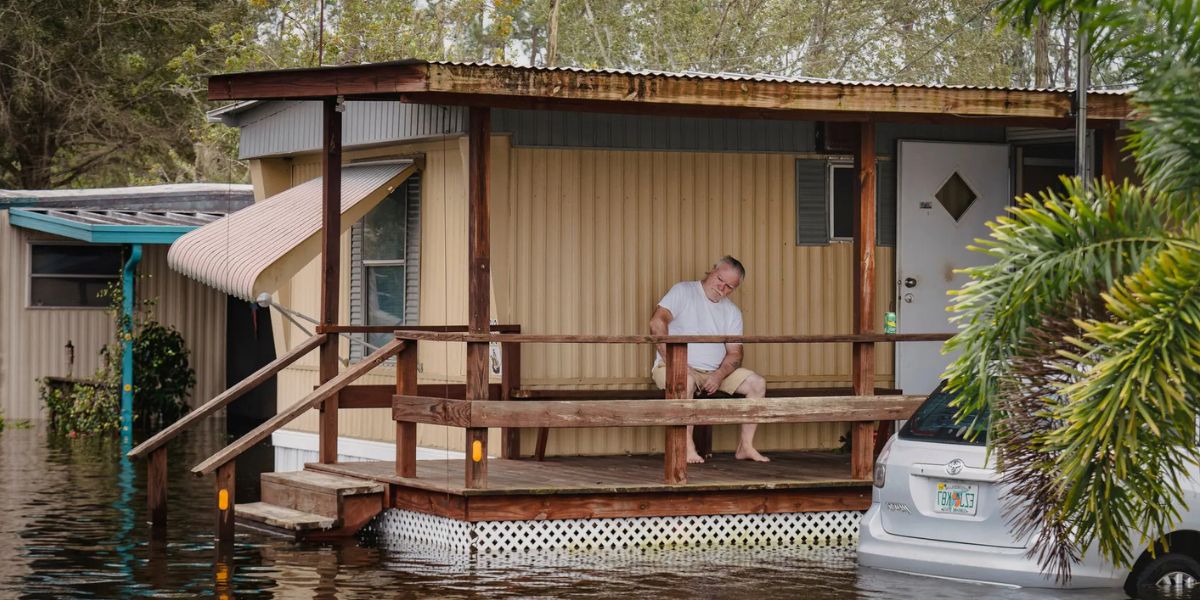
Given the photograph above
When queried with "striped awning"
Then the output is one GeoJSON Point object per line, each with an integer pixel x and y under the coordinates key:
{"type": "Point", "coordinates": [261, 247]}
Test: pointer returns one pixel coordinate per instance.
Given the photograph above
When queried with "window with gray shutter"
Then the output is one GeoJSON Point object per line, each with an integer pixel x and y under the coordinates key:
{"type": "Point", "coordinates": [825, 201]}
{"type": "Point", "coordinates": [385, 264]}
{"type": "Point", "coordinates": [812, 202]}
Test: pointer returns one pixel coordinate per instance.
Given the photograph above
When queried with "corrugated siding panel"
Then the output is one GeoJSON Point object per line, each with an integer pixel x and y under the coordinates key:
{"type": "Point", "coordinates": [887, 134]}
{"type": "Point", "coordinates": [582, 244]}
{"type": "Point", "coordinates": [276, 128]}
{"type": "Point", "coordinates": [196, 310]}
{"type": "Point", "coordinates": [548, 128]}
{"type": "Point", "coordinates": [812, 202]}
{"type": "Point", "coordinates": [443, 274]}
{"type": "Point", "coordinates": [598, 236]}
{"type": "Point", "coordinates": [34, 340]}
{"type": "Point", "coordinates": [885, 202]}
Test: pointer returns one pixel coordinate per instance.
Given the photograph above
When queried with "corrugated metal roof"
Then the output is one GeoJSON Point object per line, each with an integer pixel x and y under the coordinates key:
{"type": "Point", "coordinates": [767, 77]}
{"type": "Point", "coordinates": [112, 226]}
{"type": "Point", "coordinates": [176, 197]}
{"type": "Point", "coordinates": [234, 108]}
{"type": "Point", "coordinates": [128, 217]}
{"type": "Point", "coordinates": [257, 248]}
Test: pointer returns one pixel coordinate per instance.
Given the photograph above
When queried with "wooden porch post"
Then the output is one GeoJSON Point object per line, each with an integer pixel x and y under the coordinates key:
{"type": "Point", "coordinates": [331, 227]}
{"type": "Point", "coordinates": [406, 431]}
{"type": "Point", "coordinates": [510, 381]}
{"type": "Point", "coordinates": [863, 364]}
{"type": "Point", "coordinates": [1108, 154]}
{"type": "Point", "coordinates": [479, 280]}
{"type": "Point", "coordinates": [156, 488]}
{"type": "Point", "coordinates": [675, 449]}
{"type": "Point", "coordinates": [226, 476]}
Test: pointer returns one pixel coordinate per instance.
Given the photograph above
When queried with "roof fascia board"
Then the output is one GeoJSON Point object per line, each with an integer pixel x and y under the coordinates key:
{"type": "Point", "coordinates": [481, 84]}
{"type": "Point", "coordinates": [371, 80]}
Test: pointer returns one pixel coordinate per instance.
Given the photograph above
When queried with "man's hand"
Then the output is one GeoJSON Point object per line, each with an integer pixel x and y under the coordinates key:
{"type": "Point", "coordinates": [713, 383]}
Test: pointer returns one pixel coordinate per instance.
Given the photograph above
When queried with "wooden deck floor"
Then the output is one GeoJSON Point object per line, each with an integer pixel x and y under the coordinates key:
{"type": "Point", "coordinates": [620, 486]}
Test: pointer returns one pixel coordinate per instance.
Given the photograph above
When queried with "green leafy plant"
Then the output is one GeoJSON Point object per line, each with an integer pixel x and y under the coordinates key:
{"type": "Point", "coordinates": [1083, 336]}
{"type": "Point", "coordinates": [163, 379]}
{"type": "Point", "coordinates": [18, 424]}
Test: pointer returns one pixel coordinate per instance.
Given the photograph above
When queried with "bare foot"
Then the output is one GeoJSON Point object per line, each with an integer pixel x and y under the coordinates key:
{"type": "Point", "coordinates": [694, 458]}
{"type": "Point", "coordinates": [749, 453]}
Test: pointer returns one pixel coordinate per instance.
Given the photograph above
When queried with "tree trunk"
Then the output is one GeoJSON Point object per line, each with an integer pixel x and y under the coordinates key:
{"type": "Point", "coordinates": [1041, 55]}
{"type": "Point", "coordinates": [552, 36]}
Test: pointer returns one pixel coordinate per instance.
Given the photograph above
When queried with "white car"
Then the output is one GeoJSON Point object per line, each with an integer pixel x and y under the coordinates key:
{"type": "Point", "coordinates": [937, 509]}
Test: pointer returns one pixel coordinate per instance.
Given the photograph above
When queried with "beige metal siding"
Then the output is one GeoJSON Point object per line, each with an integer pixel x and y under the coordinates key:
{"type": "Point", "coordinates": [600, 235]}
{"type": "Point", "coordinates": [443, 290]}
{"type": "Point", "coordinates": [34, 339]}
{"type": "Point", "coordinates": [582, 243]}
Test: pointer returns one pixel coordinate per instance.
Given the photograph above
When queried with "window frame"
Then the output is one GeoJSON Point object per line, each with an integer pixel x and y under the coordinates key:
{"type": "Point", "coordinates": [830, 198]}
{"type": "Point", "coordinates": [29, 275]}
{"type": "Point", "coordinates": [357, 300]}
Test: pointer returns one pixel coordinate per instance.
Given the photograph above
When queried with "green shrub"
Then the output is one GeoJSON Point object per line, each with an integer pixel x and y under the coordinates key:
{"type": "Point", "coordinates": [22, 424]}
{"type": "Point", "coordinates": [162, 379]}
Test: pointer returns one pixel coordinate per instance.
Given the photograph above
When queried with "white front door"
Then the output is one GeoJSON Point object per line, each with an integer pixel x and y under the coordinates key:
{"type": "Point", "coordinates": [946, 193]}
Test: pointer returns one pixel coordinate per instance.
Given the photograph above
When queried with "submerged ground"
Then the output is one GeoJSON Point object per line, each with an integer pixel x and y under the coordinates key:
{"type": "Point", "coordinates": [73, 527]}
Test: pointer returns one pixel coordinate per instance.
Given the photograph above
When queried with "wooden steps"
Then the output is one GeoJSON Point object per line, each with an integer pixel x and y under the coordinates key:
{"type": "Point", "coordinates": [312, 505]}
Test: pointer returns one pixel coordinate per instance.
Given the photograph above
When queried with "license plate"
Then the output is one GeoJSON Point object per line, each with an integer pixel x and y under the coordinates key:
{"type": "Point", "coordinates": [955, 498]}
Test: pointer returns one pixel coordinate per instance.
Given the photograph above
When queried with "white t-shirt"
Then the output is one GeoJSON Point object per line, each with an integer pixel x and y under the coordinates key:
{"type": "Point", "coordinates": [694, 314]}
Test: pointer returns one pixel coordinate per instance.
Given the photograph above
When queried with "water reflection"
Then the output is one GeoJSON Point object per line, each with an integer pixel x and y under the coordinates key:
{"type": "Point", "coordinates": [75, 527]}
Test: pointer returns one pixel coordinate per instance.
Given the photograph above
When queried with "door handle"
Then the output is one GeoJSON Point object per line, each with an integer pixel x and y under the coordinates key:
{"type": "Point", "coordinates": [910, 282]}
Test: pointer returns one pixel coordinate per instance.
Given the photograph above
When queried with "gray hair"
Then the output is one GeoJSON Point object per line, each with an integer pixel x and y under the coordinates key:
{"type": "Point", "coordinates": [733, 262]}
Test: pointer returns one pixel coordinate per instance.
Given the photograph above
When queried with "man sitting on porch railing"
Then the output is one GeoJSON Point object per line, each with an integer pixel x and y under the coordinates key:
{"type": "Point", "coordinates": [704, 308]}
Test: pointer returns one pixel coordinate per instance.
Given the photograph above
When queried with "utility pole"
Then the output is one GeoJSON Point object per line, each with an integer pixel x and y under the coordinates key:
{"type": "Point", "coordinates": [1083, 81]}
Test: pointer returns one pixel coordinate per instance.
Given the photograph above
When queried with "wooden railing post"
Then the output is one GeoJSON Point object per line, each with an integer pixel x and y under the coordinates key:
{"type": "Point", "coordinates": [226, 477]}
{"type": "Point", "coordinates": [479, 140]}
{"type": "Point", "coordinates": [510, 381]}
{"type": "Point", "coordinates": [675, 450]}
{"type": "Point", "coordinates": [406, 431]}
{"type": "Point", "coordinates": [862, 442]}
{"type": "Point", "coordinates": [331, 243]}
{"type": "Point", "coordinates": [156, 487]}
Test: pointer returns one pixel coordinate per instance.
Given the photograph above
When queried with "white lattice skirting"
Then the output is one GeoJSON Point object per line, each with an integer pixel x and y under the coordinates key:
{"type": "Point", "coordinates": [811, 529]}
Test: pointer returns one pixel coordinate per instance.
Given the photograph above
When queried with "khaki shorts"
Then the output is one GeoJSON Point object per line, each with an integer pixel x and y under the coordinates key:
{"type": "Point", "coordinates": [697, 377]}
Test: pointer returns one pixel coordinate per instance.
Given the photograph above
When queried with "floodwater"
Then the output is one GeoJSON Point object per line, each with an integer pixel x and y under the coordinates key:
{"type": "Point", "coordinates": [73, 526]}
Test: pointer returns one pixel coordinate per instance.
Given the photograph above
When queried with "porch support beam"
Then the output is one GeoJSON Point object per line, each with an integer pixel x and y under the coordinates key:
{"type": "Point", "coordinates": [1108, 154]}
{"type": "Point", "coordinates": [406, 431]}
{"type": "Point", "coordinates": [331, 226]}
{"type": "Point", "coordinates": [863, 364]}
{"type": "Point", "coordinates": [479, 282]}
{"type": "Point", "coordinates": [675, 446]}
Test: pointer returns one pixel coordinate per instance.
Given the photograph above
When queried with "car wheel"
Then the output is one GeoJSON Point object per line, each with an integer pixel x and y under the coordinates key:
{"type": "Point", "coordinates": [1171, 572]}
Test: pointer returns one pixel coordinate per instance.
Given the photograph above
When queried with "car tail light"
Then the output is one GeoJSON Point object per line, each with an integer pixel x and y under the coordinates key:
{"type": "Point", "coordinates": [881, 463]}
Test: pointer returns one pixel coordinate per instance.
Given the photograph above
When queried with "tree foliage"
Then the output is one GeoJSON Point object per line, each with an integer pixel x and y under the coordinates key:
{"type": "Point", "coordinates": [1083, 336]}
{"type": "Point", "coordinates": [111, 92]}
{"type": "Point", "coordinates": [92, 91]}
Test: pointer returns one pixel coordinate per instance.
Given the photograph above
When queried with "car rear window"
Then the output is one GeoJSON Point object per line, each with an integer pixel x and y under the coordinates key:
{"type": "Point", "coordinates": [937, 421]}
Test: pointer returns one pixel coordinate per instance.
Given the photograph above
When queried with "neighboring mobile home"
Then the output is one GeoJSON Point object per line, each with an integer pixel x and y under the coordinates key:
{"type": "Point", "coordinates": [58, 248]}
{"type": "Point", "coordinates": [596, 209]}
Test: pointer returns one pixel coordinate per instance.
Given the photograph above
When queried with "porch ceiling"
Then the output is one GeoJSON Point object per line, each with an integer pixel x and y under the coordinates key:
{"type": "Point", "coordinates": [259, 247]}
{"type": "Point", "coordinates": [652, 92]}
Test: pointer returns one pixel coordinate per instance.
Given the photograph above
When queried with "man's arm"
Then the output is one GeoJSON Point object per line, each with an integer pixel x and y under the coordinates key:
{"type": "Point", "coordinates": [658, 326]}
{"type": "Point", "coordinates": [733, 360]}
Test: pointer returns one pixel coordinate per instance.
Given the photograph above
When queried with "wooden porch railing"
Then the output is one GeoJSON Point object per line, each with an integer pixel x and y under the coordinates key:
{"type": "Point", "coordinates": [156, 476]}
{"type": "Point", "coordinates": [154, 448]}
{"type": "Point", "coordinates": [675, 412]}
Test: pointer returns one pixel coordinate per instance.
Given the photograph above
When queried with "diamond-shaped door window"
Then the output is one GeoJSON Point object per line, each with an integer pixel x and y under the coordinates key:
{"type": "Point", "coordinates": [956, 196]}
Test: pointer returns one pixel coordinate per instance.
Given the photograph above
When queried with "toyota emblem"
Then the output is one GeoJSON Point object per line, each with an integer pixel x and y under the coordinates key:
{"type": "Point", "coordinates": [955, 466]}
